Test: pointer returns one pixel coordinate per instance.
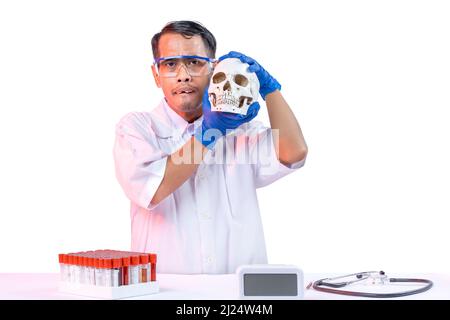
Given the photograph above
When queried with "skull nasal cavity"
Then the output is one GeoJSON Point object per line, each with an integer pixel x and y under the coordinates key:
{"type": "Point", "coordinates": [227, 86]}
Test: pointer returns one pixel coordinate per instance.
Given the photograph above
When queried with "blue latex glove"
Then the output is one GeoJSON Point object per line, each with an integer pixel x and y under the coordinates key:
{"type": "Point", "coordinates": [267, 83]}
{"type": "Point", "coordinates": [216, 124]}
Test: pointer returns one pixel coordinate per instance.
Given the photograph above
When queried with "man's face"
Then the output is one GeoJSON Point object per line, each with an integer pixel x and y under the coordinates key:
{"type": "Point", "coordinates": [186, 104]}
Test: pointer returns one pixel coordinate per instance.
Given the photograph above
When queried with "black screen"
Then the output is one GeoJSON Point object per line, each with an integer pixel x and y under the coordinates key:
{"type": "Point", "coordinates": [270, 284]}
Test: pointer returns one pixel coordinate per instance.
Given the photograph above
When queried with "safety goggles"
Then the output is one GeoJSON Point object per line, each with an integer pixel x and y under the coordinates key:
{"type": "Point", "coordinates": [168, 67]}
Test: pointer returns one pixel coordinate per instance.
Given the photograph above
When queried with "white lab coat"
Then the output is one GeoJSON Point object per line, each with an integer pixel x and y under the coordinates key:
{"type": "Point", "coordinates": [211, 223]}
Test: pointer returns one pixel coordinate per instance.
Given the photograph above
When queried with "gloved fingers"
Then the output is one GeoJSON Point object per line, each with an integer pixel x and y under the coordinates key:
{"type": "Point", "coordinates": [231, 54]}
{"type": "Point", "coordinates": [253, 110]}
{"type": "Point", "coordinates": [205, 101]}
{"type": "Point", "coordinates": [225, 56]}
{"type": "Point", "coordinates": [230, 116]}
{"type": "Point", "coordinates": [254, 68]}
{"type": "Point", "coordinates": [240, 56]}
{"type": "Point", "coordinates": [246, 59]}
{"type": "Point", "coordinates": [235, 54]}
{"type": "Point", "coordinates": [253, 65]}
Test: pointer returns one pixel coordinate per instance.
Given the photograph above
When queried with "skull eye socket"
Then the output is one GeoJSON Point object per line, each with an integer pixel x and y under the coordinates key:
{"type": "Point", "coordinates": [241, 80]}
{"type": "Point", "coordinates": [219, 77]}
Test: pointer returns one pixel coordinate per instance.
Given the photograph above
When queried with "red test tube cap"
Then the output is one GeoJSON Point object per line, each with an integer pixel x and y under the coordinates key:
{"type": "Point", "coordinates": [116, 263]}
{"type": "Point", "coordinates": [126, 261]}
{"type": "Point", "coordinates": [107, 263]}
{"type": "Point", "coordinates": [144, 259]}
{"type": "Point", "coordinates": [134, 260]}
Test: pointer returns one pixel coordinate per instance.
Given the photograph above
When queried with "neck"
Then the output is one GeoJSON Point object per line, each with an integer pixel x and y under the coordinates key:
{"type": "Point", "coordinates": [188, 116]}
{"type": "Point", "coordinates": [192, 117]}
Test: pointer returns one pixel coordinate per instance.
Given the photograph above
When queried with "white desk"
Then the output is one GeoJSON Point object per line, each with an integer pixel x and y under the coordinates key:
{"type": "Point", "coordinates": [44, 286]}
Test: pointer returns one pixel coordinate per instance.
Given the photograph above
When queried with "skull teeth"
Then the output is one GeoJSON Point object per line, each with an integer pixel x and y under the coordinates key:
{"type": "Point", "coordinates": [243, 99]}
{"type": "Point", "coordinates": [229, 99]}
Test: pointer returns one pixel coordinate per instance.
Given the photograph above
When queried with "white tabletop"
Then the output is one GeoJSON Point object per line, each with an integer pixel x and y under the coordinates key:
{"type": "Point", "coordinates": [44, 286]}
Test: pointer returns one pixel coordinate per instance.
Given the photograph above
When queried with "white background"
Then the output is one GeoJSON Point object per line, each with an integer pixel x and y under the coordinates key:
{"type": "Point", "coordinates": [369, 82]}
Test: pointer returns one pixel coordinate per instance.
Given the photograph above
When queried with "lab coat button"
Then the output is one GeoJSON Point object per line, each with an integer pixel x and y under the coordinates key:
{"type": "Point", "coordinates": [205, 215]}
{"type": "Point", "coordinates": [209, 260]}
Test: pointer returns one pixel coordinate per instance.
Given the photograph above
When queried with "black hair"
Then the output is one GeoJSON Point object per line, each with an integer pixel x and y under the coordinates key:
{"type": "Point", "coordinates": [187, 29]}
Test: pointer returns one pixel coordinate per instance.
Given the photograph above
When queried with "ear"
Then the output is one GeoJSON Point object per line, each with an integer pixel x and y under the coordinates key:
{"type": "Point", "coordinates": [156, 76]}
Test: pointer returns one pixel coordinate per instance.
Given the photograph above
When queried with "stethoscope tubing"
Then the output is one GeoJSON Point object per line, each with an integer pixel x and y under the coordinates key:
{"type": "Point", "coordinates": [317, 286]}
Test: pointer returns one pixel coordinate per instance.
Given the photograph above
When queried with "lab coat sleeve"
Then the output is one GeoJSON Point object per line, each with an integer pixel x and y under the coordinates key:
{"type": "Point", "coordinates": [267, 167]}
{"type": "Point", "coordinates": [139, 162]}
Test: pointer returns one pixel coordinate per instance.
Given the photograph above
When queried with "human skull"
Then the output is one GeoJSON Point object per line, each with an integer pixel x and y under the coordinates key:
{"type": "Point", "coordinates": [232, 88]}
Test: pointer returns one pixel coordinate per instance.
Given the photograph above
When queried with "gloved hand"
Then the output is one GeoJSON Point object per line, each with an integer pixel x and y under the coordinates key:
{"type": "Point", "coordinates": [215, 124]}
{"type": "Point", "coordinates": [267, 83]}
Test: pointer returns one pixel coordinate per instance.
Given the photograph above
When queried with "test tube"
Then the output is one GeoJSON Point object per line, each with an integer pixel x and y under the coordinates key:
{"type": "Point", "coordinates": [116, 272]}
{"type": "Point", "coordinates": [126, 270]}
{"type": "Point", "coordinates": [144, 268]}
{"type": "Point", "coordinates": [107, 272]}
{"type": "Point", "coordinates": [134, 270]}
{"type": "Point", "coordinates": [99, 279]}
{"type": "Point", "coordinates": [70, 268]}
{"type": "Point", "coordinates": [153, 267]}
{"type": "Point", "coordinates": [67, 263]}
{"type": "Point", "coordinates": [76, 269]}
{"type": "Point", "coordinates": [62, 266]}
{"type": "Point", "coordinates": [82, 261]}
{"type": "Point", "coordinates": [91, 262]}
{"type": "Point", "coordinates": [82, 269]}
{"type": "Point", "coordinates": [87, 269]}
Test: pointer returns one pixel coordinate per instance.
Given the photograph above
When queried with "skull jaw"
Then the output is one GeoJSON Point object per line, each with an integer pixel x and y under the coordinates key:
{"type": "Point", "coordinates": [227, 102]}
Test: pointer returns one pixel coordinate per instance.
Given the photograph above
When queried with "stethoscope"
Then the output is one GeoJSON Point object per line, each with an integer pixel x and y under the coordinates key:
{"type": "Point", "coordinates": [377, 277]}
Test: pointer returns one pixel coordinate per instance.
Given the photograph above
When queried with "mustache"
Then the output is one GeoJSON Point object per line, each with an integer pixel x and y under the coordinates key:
{"type": "Point", "coordinates": [184, 88]}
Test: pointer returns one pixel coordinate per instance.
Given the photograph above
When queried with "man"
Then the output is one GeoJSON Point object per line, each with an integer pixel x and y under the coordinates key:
{"type": "Point", "coordinates": [199, 215]}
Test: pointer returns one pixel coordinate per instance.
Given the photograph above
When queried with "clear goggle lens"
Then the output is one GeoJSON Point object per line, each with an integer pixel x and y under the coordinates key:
{"type": "Point", "coordinates": [195, 65]}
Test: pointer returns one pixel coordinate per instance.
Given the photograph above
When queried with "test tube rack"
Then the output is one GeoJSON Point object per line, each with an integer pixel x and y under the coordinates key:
{"type": "Point", "coordinates": [132, 290]}
{"type": "Point", "coordinates": [108, 274]}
